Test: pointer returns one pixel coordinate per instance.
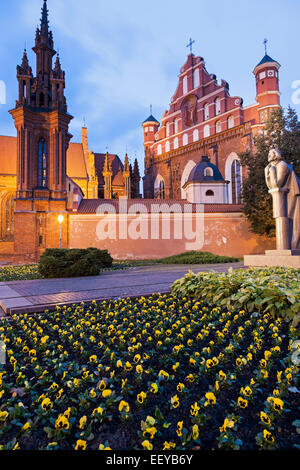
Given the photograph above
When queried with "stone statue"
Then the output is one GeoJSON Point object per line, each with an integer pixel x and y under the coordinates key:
{"type": "Point", "coordinates": [284, 186]}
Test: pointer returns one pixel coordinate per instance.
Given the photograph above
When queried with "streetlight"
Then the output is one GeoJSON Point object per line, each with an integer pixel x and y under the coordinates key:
{"type": "Point", "coordinates": [60, 219]}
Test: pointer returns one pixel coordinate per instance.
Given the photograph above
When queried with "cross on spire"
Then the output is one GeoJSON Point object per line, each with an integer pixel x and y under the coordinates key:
{"type": "Point", "coordinates": [265, 42]}
{"type": "Point", "coordinates": [190, 45]}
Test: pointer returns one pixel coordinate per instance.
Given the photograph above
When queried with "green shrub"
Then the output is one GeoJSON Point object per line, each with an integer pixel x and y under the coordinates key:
{"type": "Point", "coordinates": [197, 257]}
{"type": "Point", "coordinates": [73, 263]}
{"type": "Point", "coordinates": [273, 290]}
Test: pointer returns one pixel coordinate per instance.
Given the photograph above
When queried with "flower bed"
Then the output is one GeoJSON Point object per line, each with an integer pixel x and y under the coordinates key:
{"type": "Point", "coordinates": [19, 273]}
{"type": "Point", "coordinates": [155, 373]}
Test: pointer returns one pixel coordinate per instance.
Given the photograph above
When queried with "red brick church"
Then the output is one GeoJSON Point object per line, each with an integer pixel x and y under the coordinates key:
{"type": "Point", "coordinates": [191, 156]}
{"type": "Point", "coordinates": [193, 152]}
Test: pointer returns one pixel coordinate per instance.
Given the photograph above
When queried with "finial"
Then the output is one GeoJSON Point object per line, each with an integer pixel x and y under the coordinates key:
{"type": "Point", "coordinates": [190, 45]}
{"type": "Point", "coordinates": [150, 109]}
{"type": "Point", "coordinates": [84, 123]}
{"type": "Point", "coordinates": [265, 42]}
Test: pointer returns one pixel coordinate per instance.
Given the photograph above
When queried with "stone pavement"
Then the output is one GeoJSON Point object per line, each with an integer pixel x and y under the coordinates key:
{"type": "Point", "coordinates": [38, 295]}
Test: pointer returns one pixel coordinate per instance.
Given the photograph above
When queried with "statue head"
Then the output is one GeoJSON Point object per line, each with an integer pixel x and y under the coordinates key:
{"type": "Point", "coordinates": [274, 156]}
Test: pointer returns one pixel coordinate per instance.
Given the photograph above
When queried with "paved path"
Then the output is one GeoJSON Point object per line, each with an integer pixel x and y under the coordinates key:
{"type": "Point", "coordinates": [41, 294]}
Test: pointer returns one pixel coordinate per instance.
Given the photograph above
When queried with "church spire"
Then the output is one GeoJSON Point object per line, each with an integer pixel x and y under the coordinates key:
{"type": "Point", "coordinates": [44, 22]}
{"type": "Point", "coordinates": [43, 34]}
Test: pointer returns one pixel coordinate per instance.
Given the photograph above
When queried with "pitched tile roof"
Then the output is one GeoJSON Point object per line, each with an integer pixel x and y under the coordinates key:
{"type": "Point", "coordinates": [91, 206]}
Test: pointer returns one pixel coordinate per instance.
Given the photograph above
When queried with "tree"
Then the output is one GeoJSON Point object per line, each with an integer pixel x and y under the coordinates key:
{"type": "Point", "coordinates": [282, 131]}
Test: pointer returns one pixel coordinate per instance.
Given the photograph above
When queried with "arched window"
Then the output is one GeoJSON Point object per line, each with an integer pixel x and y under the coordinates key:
{"type": "Point", "coordinates": [209, 192]}
{"type": "Point", "coordinates": [176, 126]}
{"type": "Point", "coordinates": [42, 164]}
{"type": "Point", "coordinates": [176, 143]}
{"type": "Point", "coordinates": [196, 78]}
{"type": "Point", "coordinates": [162, 190]}
{"type": "Point", "coordinates": [218, 126]}
{"type": "Point", "coordinates": [208, 172]}
{"type": "Point", "coordinates": [236, 182]}
{"type": "Point", "coordinates": [167, 147]}
{"type": "Point", "coordinates": [195, 135]}
{"type": "Point", "coordinates": [217, 106]}
{"type": "Point", "coordinates": [167, 129]}
{"type": "Point", "coordinates": [185, 139]}
{"type": "Point", "coordinates": [206, 131]}
{"type": "Point", "coordinates": [206, 111]}
{"type": "Point", "coordinates": [159, 149]}
{"type": "Point", "coordinates": [230, 122]}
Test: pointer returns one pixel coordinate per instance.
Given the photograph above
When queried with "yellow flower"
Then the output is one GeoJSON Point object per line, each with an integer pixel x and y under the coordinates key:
{"type": "Point", "coordinates": [228, 423]}
{"type": "Point", "coordinates": [247, 391]}
{"type": "Point", "coordinates": [222, 375]}
{"type": "Point", "coordinates": [62, 422]}
{"type": "Point", "coordinates": [195, 432]}
{"type": "Point", "coordinates": [180, 387]}
{"type": "Point", "coordinates": [139, 369]}
{"type": "Point", "coordinates": [141, 397]}
{"type": "Point", "coordinates": [137, 358]}
{"type": "Point", "coordinates": [264, 418]}
{"type": "Point", "coordinates": [169, 445]}
{"type": "Point", "coordinates": [195, 409]}
{"type": "Point", "coordinates": [93, 359]}
{"type": "Point", "coordinates": [179, 428]}
{"type": "Point", "coordinates": [26, 426]}
{"type": "Point", "coordinates": [211, 399]}
{"type": "Point", "coordinates": [106, 393]}
{"type": "Point", "coordinates": [175, 401]}
{"type": "Point", "coordinates": [154, 388]}
{"type": "Point", "coordinates": [151, 431]}
{"type": "Point", "coordinates": [93, 394]}
{"type": "Point", "coordinates": [82, 422]}
{"type": "Point", "coordinates": [46, 404]}
{"type": "Point", "coordinates": [124, 406]}
{"type": "Point", "coordinates": [98, 410]}
{"type": "Point", "coordinates": [80, 445]}
{"type": "Point", "coordinates": [268, 436]}
{"type": "Point", "coordinates": [3, 415]}
{"type": "Point", "coordinates": [102, 447]}
{"type": "Point", "coordinates": [147, 445]}
{"type": "Point", "coordinates": [242, 402]}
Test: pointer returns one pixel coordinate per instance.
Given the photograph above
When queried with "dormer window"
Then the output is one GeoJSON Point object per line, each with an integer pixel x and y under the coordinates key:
{"type": "Point", "coordinates": [208, 172]}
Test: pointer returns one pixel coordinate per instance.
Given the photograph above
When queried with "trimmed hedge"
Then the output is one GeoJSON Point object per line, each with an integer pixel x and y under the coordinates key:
{"type": "Point", "coordinates": [56, 262]}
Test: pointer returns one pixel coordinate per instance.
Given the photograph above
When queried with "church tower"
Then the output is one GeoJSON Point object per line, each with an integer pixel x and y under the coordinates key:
{"type": "Point", "coordinates": [41, 120]}
{"type": "Point", "coordinates": [267, 86]}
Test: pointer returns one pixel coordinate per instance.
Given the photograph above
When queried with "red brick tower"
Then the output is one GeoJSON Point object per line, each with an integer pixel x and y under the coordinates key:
{"type": "Point", "coordinates": [42, 122]}
{"type": "Point", "coordinates": [151, 126]}
{"type": "Point", "coordinates": [267, 86]}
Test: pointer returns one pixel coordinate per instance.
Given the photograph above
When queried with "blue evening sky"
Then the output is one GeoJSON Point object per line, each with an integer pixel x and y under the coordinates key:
{"type": "Point", "coordinates": [121, 56]}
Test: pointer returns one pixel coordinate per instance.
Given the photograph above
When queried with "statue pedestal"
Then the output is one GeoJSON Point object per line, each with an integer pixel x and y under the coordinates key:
{"type": "Point", "coordinates": [281, 258]}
